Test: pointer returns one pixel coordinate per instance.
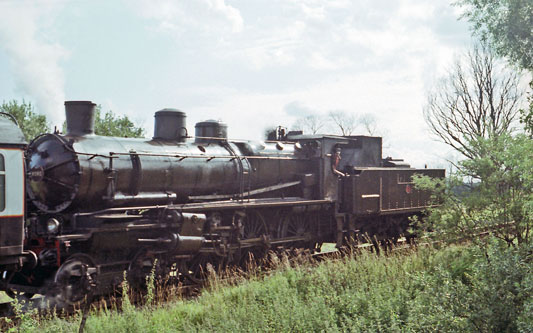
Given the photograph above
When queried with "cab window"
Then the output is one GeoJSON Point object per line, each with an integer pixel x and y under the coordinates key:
{"type": "Point", "coordinates": [2, 184]}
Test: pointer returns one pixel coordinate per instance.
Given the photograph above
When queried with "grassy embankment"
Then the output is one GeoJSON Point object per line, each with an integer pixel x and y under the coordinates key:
{"type": "Point", "coordinates": [453, 289]}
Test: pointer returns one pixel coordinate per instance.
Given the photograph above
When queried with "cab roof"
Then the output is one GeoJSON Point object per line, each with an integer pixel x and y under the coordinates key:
{"type": "Point", "coordinates": [10, 133]}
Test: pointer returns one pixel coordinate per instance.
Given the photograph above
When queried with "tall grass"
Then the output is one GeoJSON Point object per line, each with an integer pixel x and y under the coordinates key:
{"type": "Point", "coordinates": [452, 289]}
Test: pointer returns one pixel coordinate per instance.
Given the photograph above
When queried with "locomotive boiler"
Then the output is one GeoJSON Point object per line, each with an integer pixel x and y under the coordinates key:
{"type": "Point", "coordinates": [101, 206]}
{"type": "Point", "coordinates": [82, 171]}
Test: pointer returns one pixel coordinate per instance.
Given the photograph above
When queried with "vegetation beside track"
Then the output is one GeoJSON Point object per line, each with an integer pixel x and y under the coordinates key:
{"type": "Point", "coordinates": [457, 288]}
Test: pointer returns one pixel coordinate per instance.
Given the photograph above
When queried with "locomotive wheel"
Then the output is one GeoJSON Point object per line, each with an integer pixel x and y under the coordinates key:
{"type": "Point", "coordinates": [140, 268]}
{"type": "Point", "coordinates": [297, 225]}
{"type": "Point", "coordinates": [253, 227]}
{"type": "Point", "coordinates": [395, 228]}
{"type": "Point", "coordinates": [15, 294]}
{"type": "Point", "coordinates": [75, 279]}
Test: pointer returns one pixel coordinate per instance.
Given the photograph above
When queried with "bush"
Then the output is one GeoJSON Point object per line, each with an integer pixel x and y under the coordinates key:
{"type": "Point", "coordinates": [477, 292]}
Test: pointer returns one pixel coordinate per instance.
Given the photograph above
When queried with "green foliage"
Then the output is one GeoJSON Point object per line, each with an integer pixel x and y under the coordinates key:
{"type": "Point", "coordinates": [491, 293]}
{"type": "Point", "coordinates": [110, 124]}
{"type": "Point", "coordinates": [150, 285]}
{"type": "Point", "coordinates": [527, 119]}
{"type": "Point", "coordinates": [26, 318]}
{"type": "Point", "coordinates": [31, 123]}
{"type": "Point", "coordinates": [526, 115]}
{"type": "Point", "coordinates": [455, 289]}
{"type": "Point", "coordinates": [500, 192]}
{"type": "Point", "coordinates": [127, 307]}
{"type": "Point", "coordinates": [506, 24]}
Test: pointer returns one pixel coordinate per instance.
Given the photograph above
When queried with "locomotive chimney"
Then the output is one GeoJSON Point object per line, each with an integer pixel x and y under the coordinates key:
{"type": "Point", "coordinates": [170, 125]}
{"type": "Point", "coordinates": [80, 117]}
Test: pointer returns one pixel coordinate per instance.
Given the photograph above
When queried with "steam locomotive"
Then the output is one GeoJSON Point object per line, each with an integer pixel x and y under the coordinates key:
{"type": "Point", "coordinates": [77, 210]}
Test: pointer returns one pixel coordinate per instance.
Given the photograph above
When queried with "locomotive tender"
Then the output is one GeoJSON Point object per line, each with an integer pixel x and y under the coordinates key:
{"type": "Point", "coordinates": [77, 210]}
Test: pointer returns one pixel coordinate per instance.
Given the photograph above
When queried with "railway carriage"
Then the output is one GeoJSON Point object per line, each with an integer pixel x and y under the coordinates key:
{"type": "Point", "coordinates": [12, 193]}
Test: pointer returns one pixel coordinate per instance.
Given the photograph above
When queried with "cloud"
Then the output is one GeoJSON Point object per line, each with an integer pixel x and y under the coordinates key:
{"type": "Point", "coordinates": [331, 36]}
{"type": "Point", "coordinates": [321, 61]}
{"type": "Point", "coordinates": [207, 17]}
{"type": "Point", "coordinates": [314, 56]}
{"type": "Point", "coordinates": [259, 63]}
{"type": "Point", "coordinates": [298, 110]}
{"type": "Point", "coordinates": [229, 12]}
{"type": "Point", "coordinates": [34, 57]}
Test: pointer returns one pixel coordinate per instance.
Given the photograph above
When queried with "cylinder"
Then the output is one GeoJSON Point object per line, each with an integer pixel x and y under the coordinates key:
{"type": "Point", "coordinates": [80, 117]}
{"type": "Point", "coordinates": [189, 244]}
{"type": "Point", "coordinates": [170, 125]}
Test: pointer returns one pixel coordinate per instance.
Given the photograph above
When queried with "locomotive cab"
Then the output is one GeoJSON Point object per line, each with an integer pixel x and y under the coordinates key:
{"type": "Point", "coordinates": [12, 144]}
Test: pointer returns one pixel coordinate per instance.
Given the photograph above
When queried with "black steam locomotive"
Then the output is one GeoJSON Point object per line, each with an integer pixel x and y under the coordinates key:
{"type": "Point", "coordinates": [77, 210]}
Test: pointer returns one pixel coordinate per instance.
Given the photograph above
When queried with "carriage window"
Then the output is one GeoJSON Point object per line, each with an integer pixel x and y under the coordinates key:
{"type": "Point", "coordinates": [2, 184]}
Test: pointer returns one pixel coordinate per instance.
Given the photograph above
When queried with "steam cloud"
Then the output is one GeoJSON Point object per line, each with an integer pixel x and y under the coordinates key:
{"type": "Point", "coordinates": [34, 60]}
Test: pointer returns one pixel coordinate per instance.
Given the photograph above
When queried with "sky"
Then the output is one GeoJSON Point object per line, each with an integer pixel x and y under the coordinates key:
{"type": "Point", "coordinates": [250, 63]}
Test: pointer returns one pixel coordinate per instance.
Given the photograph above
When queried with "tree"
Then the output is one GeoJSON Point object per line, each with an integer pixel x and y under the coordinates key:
{"type": "Point", "coordinates": [505, 25]}
{"type": "Point", "coordinates": [477, 99]}
{"type": "Point", "coordinates": [368, 121]}
{"type": "Point", "coordinates": [526, 115]}
{"type": "Point", "coordinates": [111, 124]}
{"type": "Point", "coordinates": [499, 198]}
{"type": "Point", "coordinates": [526, 118]}
{"type": "Point", "coordinates": [492, 189]}
{"type": "Point", "coordinates": [346, 122]}
{"type": "Point", "coordinates": [309, 124]}
{"type": "Point", "coordinates": [31, 123]}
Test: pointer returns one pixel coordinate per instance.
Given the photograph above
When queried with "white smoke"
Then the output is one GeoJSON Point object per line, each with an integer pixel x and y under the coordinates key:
{"type": "Point", "coordinates": [35, 61]}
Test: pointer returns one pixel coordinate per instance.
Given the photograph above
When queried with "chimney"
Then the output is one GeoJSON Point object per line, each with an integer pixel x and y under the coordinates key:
{"type": "Point", "coordinates": [80, 117]}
